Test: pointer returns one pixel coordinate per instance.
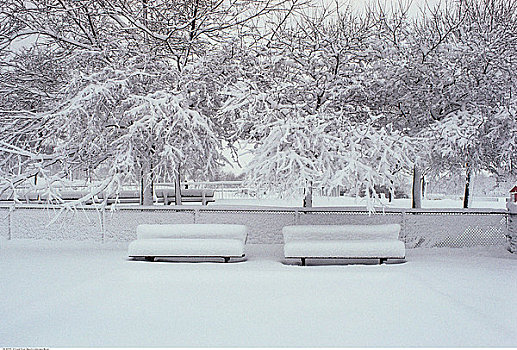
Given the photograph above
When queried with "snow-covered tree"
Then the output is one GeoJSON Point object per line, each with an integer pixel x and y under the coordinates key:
{"type": "Point", "coordinates": [299, 152]}
{"type": "Point", "coordinates": [141, 118]}
{"type": "Point", "coordinates": [501, 141]}
{"type": "Point", "coordinates": [452, 63]}
{"type": "Point", "coordinates": [30, 82]}
{"type": "Point", "coordinates": [481, 61]}
{"type": "Point", "coordinates": [140, 84]}
{"type": "Point", "coordinates": [456, 143]}
{"type": "Point", "coordinates": [306, 110]}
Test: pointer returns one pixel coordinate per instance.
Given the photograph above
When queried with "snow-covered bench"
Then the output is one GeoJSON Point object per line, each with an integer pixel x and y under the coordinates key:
{"type": "Point", "coordinates": [195, 195]}
{"type": "Point", "coordinates": [189, 240]}
{"type": "Point", "coordinates": [343, 241]}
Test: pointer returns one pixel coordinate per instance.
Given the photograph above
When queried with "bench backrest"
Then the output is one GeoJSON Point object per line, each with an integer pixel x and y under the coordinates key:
{"type": "Point", "coordinates": [340, 232]}
{"type": "Point", "coordinates": [194, 192]}
{"type": "Point", "coordinates": [123, 194]}
{"type": "Point", "coordinates": [192, 231]}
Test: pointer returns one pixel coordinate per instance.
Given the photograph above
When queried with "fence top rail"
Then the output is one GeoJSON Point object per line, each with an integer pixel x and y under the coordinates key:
{"type": "Point", "coordinates": [230, 208]}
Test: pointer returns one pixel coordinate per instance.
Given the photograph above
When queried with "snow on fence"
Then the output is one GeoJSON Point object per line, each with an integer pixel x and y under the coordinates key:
{"type": "Point", "coordinates": [420, 227]}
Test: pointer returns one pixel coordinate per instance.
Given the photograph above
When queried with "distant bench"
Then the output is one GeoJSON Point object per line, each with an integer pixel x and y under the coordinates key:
{"type": "Point", "coordinates": [188, 241]}
{"type": "Point", "coordinates": [343, 241]}
{"type": "Point", "coordinates": [42, 197]}
{"type": "Point", "coordinates": [166, 196]}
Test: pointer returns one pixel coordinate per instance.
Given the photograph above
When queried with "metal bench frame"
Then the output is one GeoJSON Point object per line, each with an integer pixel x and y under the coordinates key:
{"type": "Point", "coordinates": [153, 257]}
{"type": "Point", "coordinates": [382, 260]}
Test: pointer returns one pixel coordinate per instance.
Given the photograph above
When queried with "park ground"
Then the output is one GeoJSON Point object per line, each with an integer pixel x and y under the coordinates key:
{"type": "Point", "coordinates": [77, 294]}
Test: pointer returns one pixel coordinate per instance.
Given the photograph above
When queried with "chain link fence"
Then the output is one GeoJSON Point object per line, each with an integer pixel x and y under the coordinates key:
{"type": "Point", "coordinates": [420, 228]}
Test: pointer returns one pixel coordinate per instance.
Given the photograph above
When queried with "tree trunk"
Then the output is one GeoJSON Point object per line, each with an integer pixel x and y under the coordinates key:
{"type": "Point", "coordinates": [177, 187]}
{"type": "Point", "coordinates": [467, 189]}
{"type": "Point", "coordinates": [141, 192]}
{"type": "Point", "coordinates": [417, 188]}
{"type": "Point", "coordinates": [391, 191]}
{"type": "Point", "coordinates": [423, 186]}
{"type": "Point", "coordinates": [307, 200]}
{"type": "Point", "coordinates": [146, 185]}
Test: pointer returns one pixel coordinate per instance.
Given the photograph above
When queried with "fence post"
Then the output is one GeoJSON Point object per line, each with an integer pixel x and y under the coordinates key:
{"type": "Point", "coordinates": [403, 225]}
{"type": "Point", "coordinates": [103, 224]}
{"type": "Point", "coordinates": [512, 227]}
{"type": "Point", "coordinates": [10, 222]}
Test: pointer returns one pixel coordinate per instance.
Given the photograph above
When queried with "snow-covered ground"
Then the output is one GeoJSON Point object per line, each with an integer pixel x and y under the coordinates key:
{"type": "Point", "coordinates": [77, 294]}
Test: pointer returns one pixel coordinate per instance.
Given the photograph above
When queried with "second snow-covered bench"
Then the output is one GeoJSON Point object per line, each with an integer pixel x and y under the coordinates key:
{"type": "Point", "coordinates": [188, 240]}
{"type": "Point", "coordinates": [343, 241]}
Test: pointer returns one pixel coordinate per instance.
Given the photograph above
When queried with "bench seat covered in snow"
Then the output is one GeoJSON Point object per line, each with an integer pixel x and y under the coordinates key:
{"type": "Point", "coordinates": [343, 241]}
{"type": "Point", "coordinates": [188, 240]}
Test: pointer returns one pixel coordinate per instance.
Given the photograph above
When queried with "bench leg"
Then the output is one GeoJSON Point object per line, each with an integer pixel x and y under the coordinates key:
{"type": "Point", "coordinates": [303, 261]}
{"type": "Point", "coordinates": [226, 259]}
{"type": "Point", "coordinates": [382, 261]}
